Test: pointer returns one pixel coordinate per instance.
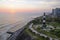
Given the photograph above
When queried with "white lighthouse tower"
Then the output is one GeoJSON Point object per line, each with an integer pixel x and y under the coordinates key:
{"type": "Point", "coordinates": [44, 21]}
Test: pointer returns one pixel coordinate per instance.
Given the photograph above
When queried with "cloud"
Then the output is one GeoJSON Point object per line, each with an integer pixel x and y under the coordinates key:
{"type": "Point", "coordinates": [29, 3]}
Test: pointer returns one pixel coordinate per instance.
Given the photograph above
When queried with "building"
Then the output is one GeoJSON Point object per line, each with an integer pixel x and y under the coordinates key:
{"type": "Point", "coordinates": [56, 12]}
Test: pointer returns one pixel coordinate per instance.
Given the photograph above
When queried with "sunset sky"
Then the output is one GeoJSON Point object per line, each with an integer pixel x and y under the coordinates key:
{"type": "Point", "coordinates": [28, 5]}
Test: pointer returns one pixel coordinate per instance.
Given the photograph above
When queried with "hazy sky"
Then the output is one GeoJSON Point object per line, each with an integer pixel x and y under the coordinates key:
{"type": "Point", "coordinates": [29, 4]}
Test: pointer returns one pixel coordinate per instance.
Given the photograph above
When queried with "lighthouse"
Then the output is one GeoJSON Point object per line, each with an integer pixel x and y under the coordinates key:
{"type": "Point", "coordinates": [44, 21]}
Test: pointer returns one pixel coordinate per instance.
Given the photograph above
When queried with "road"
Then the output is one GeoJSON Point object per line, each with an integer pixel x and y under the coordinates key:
{"type": "Point", "coordinates": [20, 34]}
{"type": "Point", "coordinates": [7, 27]}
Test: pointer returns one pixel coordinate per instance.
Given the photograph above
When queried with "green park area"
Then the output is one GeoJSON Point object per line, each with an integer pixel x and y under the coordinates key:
{"type": "Point", "coordinates": [35, 36]}
{"type": "Point", "coordinates": [54, 33]}
{"type": "Point", "coordinates": [53, 21]}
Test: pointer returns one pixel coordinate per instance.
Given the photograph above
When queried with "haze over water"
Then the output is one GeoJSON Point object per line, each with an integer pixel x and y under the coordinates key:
{"type": "Point", "coordinates": [13, 22]}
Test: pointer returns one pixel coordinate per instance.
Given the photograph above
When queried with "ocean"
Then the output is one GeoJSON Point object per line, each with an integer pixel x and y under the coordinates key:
{"type": "Point", "coordinates": [14, 21]}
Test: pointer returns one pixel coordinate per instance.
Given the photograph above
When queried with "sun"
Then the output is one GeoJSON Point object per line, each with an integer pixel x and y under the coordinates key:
{"type": "Point", "coordinates": [12, 11]}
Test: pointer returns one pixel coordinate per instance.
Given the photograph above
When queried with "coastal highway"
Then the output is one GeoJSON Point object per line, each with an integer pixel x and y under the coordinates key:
{"type": "Point", "coordinates": [20, 34]}
{"type": "Point", "coordinates": [7, 28]}
{"type": "Point", "coordinates": [15, 34]}
{"type": "Point", "coordinates": [13, 27]}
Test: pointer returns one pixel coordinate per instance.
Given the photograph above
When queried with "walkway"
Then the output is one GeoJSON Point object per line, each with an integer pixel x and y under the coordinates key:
{"type": "Point", "coordinates": [34, 31]}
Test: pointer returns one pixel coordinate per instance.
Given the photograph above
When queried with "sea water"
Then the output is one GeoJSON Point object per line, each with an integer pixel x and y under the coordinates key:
{"type": "Point", "coordinates": [13, 21]}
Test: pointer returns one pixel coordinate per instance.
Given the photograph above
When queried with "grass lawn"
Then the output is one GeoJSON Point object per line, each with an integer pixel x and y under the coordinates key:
{"type": "Point", "coordinates": [54, 24]}
{"type": "Point", "coordinates": [45, 32]}
{"type": "Point", "coordinates": [35, 36]}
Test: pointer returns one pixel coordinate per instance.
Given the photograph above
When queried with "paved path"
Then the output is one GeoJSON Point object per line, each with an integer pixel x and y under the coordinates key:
{"type": "Point", "coordinates": [34, 31]}
{"type": "Point", "coordinates": [13, 37]}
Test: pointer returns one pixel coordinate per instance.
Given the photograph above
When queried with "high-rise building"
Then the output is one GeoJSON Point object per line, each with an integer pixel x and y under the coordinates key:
{"type": "Point", "coordinates": [56, 12]}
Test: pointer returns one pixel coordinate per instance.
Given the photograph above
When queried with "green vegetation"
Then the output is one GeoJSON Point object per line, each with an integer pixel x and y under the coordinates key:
{"type": "Point", "coordinates": [35, 36]}
{"type": "Point", "coordinates": [54, 24]}
{"type": "Point", "coordinates": [56, 32]}
{"type": "Point", "coordinates": [53, 21]}
{"type": "Point", "coordinates": [47, 33]}
{"type": "Point", "coordinates": [36, 21]}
